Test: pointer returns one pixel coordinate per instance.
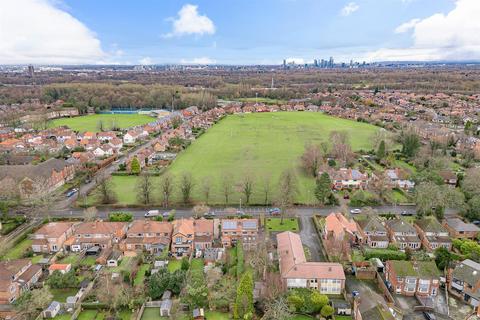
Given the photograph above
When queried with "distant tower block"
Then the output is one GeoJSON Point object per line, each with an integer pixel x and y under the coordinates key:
{"type": "Point", "coordinates": [273, 84]}
{"type": "Point", "coordinates": [31, 71]}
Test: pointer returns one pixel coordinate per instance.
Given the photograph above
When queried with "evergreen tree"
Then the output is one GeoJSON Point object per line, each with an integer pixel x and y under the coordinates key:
{"type": "Point", "coordinates": [243, 308]}
{"type": "Point", "coordinates": [323, 188]}
{"type": "Point", "coordinates": [135, 166]}
{"type": "Point", "coordinates": [381, 150]}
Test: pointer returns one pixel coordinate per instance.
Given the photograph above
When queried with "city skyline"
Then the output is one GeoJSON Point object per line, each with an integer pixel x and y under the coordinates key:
{"type": "Point", "coordinates": [238, 32]}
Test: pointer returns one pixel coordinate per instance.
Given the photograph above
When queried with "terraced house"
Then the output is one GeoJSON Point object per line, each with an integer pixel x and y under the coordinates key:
{"type": "Point", "coordinates": [409, 278]}
{"type": "Point", "coordinates": [151, 236]}
{"type": "Point", "coordinates": [374, 232]}
{"type": "Point", "coordinates": [433, 234]}
{"type": "Point", "coordinates": [458, 229]}
{"type": "Point", "coordinates": [403, 234]}
{"type": "Point", "coordinates": [15, 277]}
{"type": "Point", "coordinates": [182, 237]}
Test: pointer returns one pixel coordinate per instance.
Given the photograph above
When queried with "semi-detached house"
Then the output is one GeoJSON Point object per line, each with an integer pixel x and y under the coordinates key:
{"type": "Point", "coordinates": [51, 236]}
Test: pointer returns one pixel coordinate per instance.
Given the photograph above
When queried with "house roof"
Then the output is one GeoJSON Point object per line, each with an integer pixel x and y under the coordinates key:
{"type": "Point", "coordinates": [39, 171]}
{"type": "Point", "coordinates": [54, 229]}
{"type": "Point", "coordinates": [339, 224]}
{"type": "Point", "coordinates": [430, 224]}
{"type": "Point", "coordinates": [59, 266]}
{"type": "Point", "coordinates": [467, 271]}
{"type": "Point", "coordinates": [458, 225]}
{"type": "Point", "coordinates": [203, 226]}
{"type": "Point", "coordinates": [101, 227]}
{"type": "Point", "coordinates": [400, 225]}
{"type": "Point", "coordinates": [183, 226]}
{"type": "Point", "coordinates": [372, 224]}
{"type": "Point", "coordinates": [419, 269]}
{"type": "Point", "coordinates": [293, 263]}
{"type": "Point", "coordinates": [148, 226]}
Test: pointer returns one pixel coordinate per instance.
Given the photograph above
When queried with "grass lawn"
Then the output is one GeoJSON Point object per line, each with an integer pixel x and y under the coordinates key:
{"type": "Point", "coordinates": [140, 277]}
{"type": "Point", "coordinates": [403, 165]}
{"type": "Point", "coordinates": [196, 264]}
{"type": "Point", "coordinates": [61, 295]}
{"type": "Point", "coordinates": [397, 196]}
{"type": "Point", "coordinates": [174, 265]}
{"type": "Point", "coordinates": [301, 317]}
{"type": "Point", "coordinates": [17, 251]}
{"type": "Point", "coordinates": [151, 314]}
{"type": "Point", "coordinates": [65, 316]}
{"type": "Point", "coordinates": [255, 144]}
{"type": "Point", "coordinates": [71, 258]}
{"type": "Point", "coordinates": [91, 122]}
{"type": "Point", "coordinates": [125, 315]}
{"type": "Point", "coordinates": [88, 261]}
{"type": "Point", "coordinates": [88, 315]}
{"type": "Point", "coordinates": [357, 256]}
{"type": "Point", "coordinates": [289, 224]}
{"type": "Point", "coordinates": [343, 317]}
{"type": "Point", "coordinates": [214, 315]}
{"type": "Point", "coordinates": [124, 265]}
{"type": "Point", "coordinates": [36, 259]}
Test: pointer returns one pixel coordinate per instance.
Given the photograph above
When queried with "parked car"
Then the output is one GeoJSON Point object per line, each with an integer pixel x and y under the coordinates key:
{"type": "Point", "coordinates": [152, 213]}
{"type": "Point", "coordinates": [274, 211]}
{"type": "Point", "coordinates": [356, 211]}
{"type": "Point", "coordinates": [71, 192]}
{"type": "Point", "coordinates": [210, 215]}
{"type": "Point", "coordinates": [166, 214]}
{"type": "Point", "coordinates": [406, 213]}
{"type": "Point", "coordinates": [429, 316]}
{"type": "Point", "coordinates": [240, 212]}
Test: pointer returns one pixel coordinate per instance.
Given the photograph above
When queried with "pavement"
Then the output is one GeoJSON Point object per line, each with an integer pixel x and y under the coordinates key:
{"type": "Point", "coordinates": [309, 237]}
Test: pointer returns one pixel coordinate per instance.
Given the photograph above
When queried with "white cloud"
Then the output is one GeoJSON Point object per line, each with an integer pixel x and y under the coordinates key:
{"type": "Point", "coordinates": [451, 36]}
{"type": "Point", "coordinates": [350, 8]}
{"type": "Point", "coordinates": [295, 60]}
{"type": "Point", "coordinates": [146, 61]}
{"type": "Point", "coordinates": [190, 22]}
{"type": "Point", "coordinates": [407, 26]}
{"type": "Point", "coordinates": [201, 60]}
{"type": "Point", "coordinates": [37, 31]}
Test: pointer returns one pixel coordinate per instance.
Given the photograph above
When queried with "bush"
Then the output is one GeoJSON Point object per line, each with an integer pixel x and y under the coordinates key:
{"type": "Point", "coordinates": [120, 217]}
{"type": "Point", "coordinates": [361, 198]}
{"type": "Point", "coordinates": [385, 254]}
{"type": "Point", "coordinates": [306, 300]}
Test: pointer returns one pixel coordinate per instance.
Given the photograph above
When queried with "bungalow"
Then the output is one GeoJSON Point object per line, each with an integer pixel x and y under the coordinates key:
{"type": "Point", "coordinates": [51, 236]}
{"type": "Point", "coordinates": [348, 179]}
{"type": "Point", "coordinates": [296, 272]}
{"type": "Point", "coordinates": [397, 178]}
{"type": "Point", "coordinates": [449, 177]}
{"type": "Point", "coordinates": [433, 234]}
{"type": "Point", "coordinates": [403, 234]}
{"type": "Point", "coordinates": [182, 237]}
{"type": "Point", "coordinates": [97, 233]}
{"type": "Point", "coordinates": [244, 230]}
{"type": "Point", "coordinates": [465, 282]}
{"type": "Point", "coordinates": [461, 230]}
{"type": "Point", "coordinates": [147, 235]}
{"type": "Point", "coordinates": [15, 277]}
{"type": "Point", "coordinates": [374, 232]}
{"type": "Point", "coordinates": [409, 278]}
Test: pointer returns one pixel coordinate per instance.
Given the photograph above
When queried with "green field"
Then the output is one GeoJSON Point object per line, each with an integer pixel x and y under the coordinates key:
{"type": "Point", "coordinates": [18, 250]}
{"type": "Point", "coordinates": [91, 122]}
{"type": "Point", "coordinates": [258, 144]}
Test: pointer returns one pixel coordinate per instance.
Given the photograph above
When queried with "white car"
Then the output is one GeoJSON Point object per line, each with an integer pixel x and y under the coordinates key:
{"type": "Point", "coordinates": [152, 213]}
{"type": "Point", "coordinates": [355, 211]}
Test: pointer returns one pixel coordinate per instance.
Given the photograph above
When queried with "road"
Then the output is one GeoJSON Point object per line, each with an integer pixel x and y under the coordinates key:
{"type": "Point", "coordinates": [220, 211]}
{"type": "Point", "coordinates": [86, 188]}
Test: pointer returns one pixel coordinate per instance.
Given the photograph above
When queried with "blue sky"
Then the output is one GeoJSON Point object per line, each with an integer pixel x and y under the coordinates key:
{"type": "Point", "coordinates": [239, 31]}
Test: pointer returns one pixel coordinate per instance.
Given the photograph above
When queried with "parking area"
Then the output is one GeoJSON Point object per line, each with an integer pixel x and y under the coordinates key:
{"type": "Point", "coordinates": [370, 295]}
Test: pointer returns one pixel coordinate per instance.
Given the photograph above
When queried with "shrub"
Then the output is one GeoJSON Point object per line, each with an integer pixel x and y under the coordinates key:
{"type": "Point", "coordinates": [385, 254]}
{"type": "Point", "coordinates": [120, 216]}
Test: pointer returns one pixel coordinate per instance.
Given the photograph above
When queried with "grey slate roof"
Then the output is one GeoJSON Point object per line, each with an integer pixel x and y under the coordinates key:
{"type": "Point", "coordinates": [467, 271]}
{"type": "Point", "coordinates": [459, 225]}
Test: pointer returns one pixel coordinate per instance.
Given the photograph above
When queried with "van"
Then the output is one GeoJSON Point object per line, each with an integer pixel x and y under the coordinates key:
{"type": "Point", "coordinates": [152, 213]}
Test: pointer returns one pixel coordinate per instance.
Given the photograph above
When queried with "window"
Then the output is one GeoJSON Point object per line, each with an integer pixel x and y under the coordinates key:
{"type": "Point", "coordinates": [178, 240]}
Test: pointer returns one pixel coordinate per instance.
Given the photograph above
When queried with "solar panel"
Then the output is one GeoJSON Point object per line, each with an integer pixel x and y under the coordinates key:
{"type": "Point", "coordinates": [229, 225]}
{"type": "Point", "coordinates": [251, 224]}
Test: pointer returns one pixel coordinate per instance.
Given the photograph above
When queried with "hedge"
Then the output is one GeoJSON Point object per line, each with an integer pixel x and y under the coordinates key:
{"type": "Point", "coordinates": [384, 254]}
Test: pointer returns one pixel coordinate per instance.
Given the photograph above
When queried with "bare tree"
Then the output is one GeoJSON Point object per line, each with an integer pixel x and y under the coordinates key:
{"type": "Point", "coordinates": [105, 190]}
{"type": "Point", "coordinates": [90, 214]}
{"type": "Point", "coordinates": [341, 149]}
{"type": "Point", "coordinates": [247, 187]}
{"type": "Point", "coordinates": [186, 186]}
{"type": "Point", "coordinates": [166, 187]}
{"type": "Point", "coordinates": [206, 187]}
{"type": "Point", "coordinates": [266, 187]}
{"type": "Point", "coordinates": [200, 209]}
{"type": "Point", "coordinates": [311, 159]}
{"type": "Point", "coordinates": [277, 309]}
{"type": "Point", "coordinates": [100, 125]}
{"type": "Point", "coordinates": [287, 190]}
{"type": "Point", "coordinates": [145, 188]}
{"type": "Point", "coordinates": [227, 186]}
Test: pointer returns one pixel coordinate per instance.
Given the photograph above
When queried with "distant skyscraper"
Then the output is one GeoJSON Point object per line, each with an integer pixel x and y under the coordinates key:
{"type": "Point", "coordinates": [315, 63]}
{"type": "Point", "coordinates": [31, 71]}
{"type": "Point", "coordinates": [284, 63]}
{"type": "Point", "coordinates": [330, 62]}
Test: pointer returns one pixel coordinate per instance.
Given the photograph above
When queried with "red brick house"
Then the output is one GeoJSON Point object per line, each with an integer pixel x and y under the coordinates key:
{"type": "Point", "coordinates": [458, 229]}
{"type": "Point", "coordinates": [410, 278]}
{"type": "Point", "coordinates": [146, 235]}
{"type": "Point", "coordinates": [51, 236]}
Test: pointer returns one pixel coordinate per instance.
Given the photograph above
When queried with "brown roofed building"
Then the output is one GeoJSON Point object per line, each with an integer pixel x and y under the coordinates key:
{"type": "Point", "coordinates": [182, 237]}
{"type": "Point", "coordinates": [147, 235]}
{"type": "Point", "coordinates": [51, 236]}
{"type": "Point", "coordinates": [15, 277]}
{"type": "Point", "coordinates": [97, 233]}
{"type": "Point", "coordinates": [245, 230]}
{"type": "Point", "coordinates": [296, 272]}
{"type": "Point", "coordinates": [203, 234]}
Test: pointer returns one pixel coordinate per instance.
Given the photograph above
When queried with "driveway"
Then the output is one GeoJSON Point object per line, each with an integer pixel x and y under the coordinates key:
{"type": "Point", "coordinates": [370, 294]}
{"type": "Point", "coordinates": [309, 237]}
